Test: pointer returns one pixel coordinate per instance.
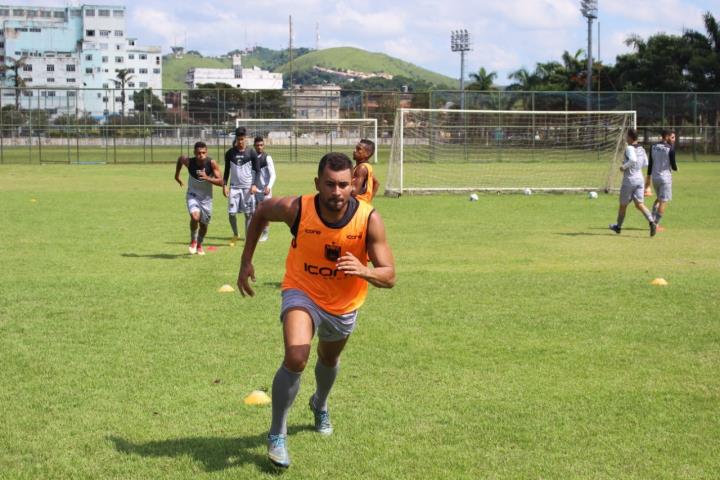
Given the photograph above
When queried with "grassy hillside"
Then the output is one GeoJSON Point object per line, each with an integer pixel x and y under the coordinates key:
{"type": "Point", "coordinates": [363, 61]}
{"type": "Point", "coordinates": [174, 69]}
{"type": "Point", "coordinates": [342, 58]}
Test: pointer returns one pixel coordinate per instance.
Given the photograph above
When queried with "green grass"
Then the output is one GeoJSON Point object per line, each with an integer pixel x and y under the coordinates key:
{"type": "Point", "coordinates": [523, 339]}
{"type": "Point", "coordinates": [350, 58]}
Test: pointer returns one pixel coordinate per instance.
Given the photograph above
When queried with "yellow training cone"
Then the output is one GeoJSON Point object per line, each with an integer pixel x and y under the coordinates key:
{"type": "Point", "coordinates": [257, 397]}
{"type": "Point", "coordinates": [659, 282]}
{"type": "Point", "coordinates": [226, 289]}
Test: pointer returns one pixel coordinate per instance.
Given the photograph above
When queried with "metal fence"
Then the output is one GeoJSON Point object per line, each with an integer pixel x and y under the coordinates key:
{"type": "Point", "coordinates": [41, 125]}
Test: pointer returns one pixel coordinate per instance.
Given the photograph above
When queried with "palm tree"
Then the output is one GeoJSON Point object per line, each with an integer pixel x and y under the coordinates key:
{"type": "Point", "coordinates": [482, 80]}
{"type": "Point", "coordinates": [18, 82]}
{"type": "Point", "coordinates": [123, 76]}
{"type": "Point", "coordinates": [524, 80]}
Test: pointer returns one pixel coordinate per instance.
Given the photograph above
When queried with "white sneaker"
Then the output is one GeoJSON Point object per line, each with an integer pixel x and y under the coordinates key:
{"type": "Point", "coordinates": [192, 248]}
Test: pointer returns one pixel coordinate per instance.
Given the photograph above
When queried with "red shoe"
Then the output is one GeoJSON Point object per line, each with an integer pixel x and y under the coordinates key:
{"type": "Point", "coordinates": [200, 250]}
{"type": "Point", "coordinates": [193, 248]}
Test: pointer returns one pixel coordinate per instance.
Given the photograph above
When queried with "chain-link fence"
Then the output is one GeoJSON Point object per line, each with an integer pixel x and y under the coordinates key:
{"type": "Point", "coordinates": [41, 125]}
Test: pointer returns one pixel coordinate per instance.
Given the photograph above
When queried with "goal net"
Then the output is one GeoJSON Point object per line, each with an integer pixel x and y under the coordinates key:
{"type": "Point", "coordinates": [307, 140]}
{"type": "Point", "coordinates": [446, 151]}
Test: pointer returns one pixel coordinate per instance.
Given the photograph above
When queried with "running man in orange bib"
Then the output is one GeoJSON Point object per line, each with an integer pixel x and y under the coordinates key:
{"type": "Point", "coordinates": [326, 282]}
{"type": "Point", "coordinates": [365, 184]}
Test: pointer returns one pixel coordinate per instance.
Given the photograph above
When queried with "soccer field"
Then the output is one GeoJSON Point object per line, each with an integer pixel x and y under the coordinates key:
{"type": "Point", "coordinates": [523, 338]}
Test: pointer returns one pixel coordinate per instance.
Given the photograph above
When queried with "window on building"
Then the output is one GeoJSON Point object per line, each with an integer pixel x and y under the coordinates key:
{"type": "Point", "coordinates": [104, 33]}
{"type": "Point", "coordinates": [50, 68]}
{"type": "Point", "coordinates": [50, 80]}
{"type": "Point", "coordinates": [118, 33]}
{"type": "Point", "coordinates": [118, 47]}
{"type": "Point", "coordinates": [118, 99]}
{"type": "Point", "coordinates": [143, 70]}
{"type": "Point", "coordinates": [32, 13]}
{"type": "Point", "coordinates": [89, 12]}
{"type": "Point", "coordinates": [143, 56]}
{"type": "Point", "coordinates": [4, 12]}
{"type": "Point", "coordinates": [103, 13]}
{"type": "Point", "coordinates": [118, 13]}
{"type": "Point", "coordinates": [131, 84]}
{"type": "Point", "coordinates": [75, 13]}
{"type": "Point", "coordinates": [46, 14]}
{"type": "Point", "coordinates": [21, 29]}
{"type": "Point", "coordinates": [28, 80]}
{"type": "Point", "coordinates": [28, 93]}
{"type": "Point", "coordinates": [89, 33]}
{"type": "Point", "coordinates": [2, 44]}
{"type": "Point", "coordinates": [70, 80]}
{"type": "Point", "coordinates": [105, 59]}
{"type": "Point", "coordinates": [105, 85]}
{"type": "Point", "coordinates": [89, 71]}
{"type": "Point", "coordinates": [18, 12]}
{"type": "Point", "coordinates": [119, 59]}
{"type": "Point", "coordinates": [99, 95]}
{"type": "Point", "coordinates": [70, 94]}
{"type": "Point", "coordinates": [35, 30]}
{"type": "Point", "coordinates": [131, 56]}
{"type": "Point", "coordinates": [156, 71]}
{"type": "Point", "coordinates": [70, 67]}
{"type": "Point", "coordinates": [143, 84]}
{"type": "Point", "coordinates": [157, 60]}
{"type": "Point", "coordinates": [131, 70]}
{"type": "Point", "coordinates": [59, 14]}
{"type": "Point", "coordinates": [27, 67]}
{"type": "Point", "coordinates": [51, 93]}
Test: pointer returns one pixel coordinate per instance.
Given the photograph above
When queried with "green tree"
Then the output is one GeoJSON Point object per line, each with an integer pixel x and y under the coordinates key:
{"type": "Point", "coordinates": [15, 67]}
{"type": "Point", "coordinates": [122, 77]}
{"type": "Point", "coordinates": [482, 80]}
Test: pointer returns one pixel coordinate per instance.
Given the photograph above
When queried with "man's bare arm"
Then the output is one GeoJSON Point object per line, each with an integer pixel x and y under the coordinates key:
{"type": "Point", "coordinates": [360, 176]}
{"type": "Point", "coordinates": [182, 160]}
{"type": "Point", "coordinates": [216, 179]}
{"type": "Point", "coordinates": [282, 209]}
{"type": "Point", "coordinates": [376, 186]}
{"type": "Point", "coordinates": [382, 275]}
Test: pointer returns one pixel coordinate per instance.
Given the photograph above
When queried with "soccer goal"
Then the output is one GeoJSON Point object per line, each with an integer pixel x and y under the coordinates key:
{"type": "Point", "coordinates": [307, 140]}
{"type": "Point", "coordinates": [455, 151]}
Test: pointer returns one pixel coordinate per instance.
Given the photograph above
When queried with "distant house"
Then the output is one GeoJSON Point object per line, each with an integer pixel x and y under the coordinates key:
{"type": "Point", "coordinates": [237, 76]}
{"type": "Point", "coordinates": [314, 101]}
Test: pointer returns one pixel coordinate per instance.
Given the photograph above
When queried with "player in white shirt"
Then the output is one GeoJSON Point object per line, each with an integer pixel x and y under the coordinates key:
{"type": "Point", "coordinates": [266, 179]}
{"type": "Point", "coordinates": [633, 184]}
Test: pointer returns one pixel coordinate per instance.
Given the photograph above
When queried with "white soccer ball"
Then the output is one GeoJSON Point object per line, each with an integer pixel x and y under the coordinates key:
{"type": "Point", "coordinates": [592, 195]}
{"type": "Point", "coordinates": [474, 197]}
{"type": "Point", "coordinates": [527, 191]}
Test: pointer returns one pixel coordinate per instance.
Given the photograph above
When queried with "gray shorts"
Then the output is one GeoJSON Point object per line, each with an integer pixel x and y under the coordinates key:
{"type": "Point", "coordinates": [630, 192]}
{"type": "Point", "coordinates": [663, 189]}
{"type": "Point", "coordinates": [240, 200]}
{"type": "Point", "coordinates": [329, 327]}
{"type": "Point", "coordinates": [260, 197]}
{"type": "Point", "coordinates": [202, 205]}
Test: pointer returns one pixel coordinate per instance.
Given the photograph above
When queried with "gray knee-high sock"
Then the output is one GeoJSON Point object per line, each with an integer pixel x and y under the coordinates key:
{"type": "Point", "coordinates": [620, 219]}
{"type": "Point", "coordinates": [285, 387]}
{"type": "Point", "coordinates": [658, 217]}
{"type": "Point", "coordinates": [233, 223]}
{"type": "Point", "coordinates": [325, 378]}
{"type": "Point", "coordinates": [248, 217]}
{"type": "Point", "coordinates": [194, 233]}
{"type": "Point", "coordinates": [655, 209]}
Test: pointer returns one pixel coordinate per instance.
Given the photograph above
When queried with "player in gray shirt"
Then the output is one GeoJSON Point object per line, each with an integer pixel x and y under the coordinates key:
{"type": "Point", "coordinates": [660, 166]}
{"type": "Point", "coordinates": [632, 188]}
{"type": "Point", "coordinates": [240, 180]}
{"type": "Point", "coordinates": [266, 179]}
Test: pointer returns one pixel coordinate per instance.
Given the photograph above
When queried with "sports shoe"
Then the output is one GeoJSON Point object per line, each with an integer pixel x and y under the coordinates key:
{"type": "Point", "coordinates": [200, 250]}
{"type": "Point", "coordinates": [264, 236]}
{"type": "Point", "coordinates": [193, 248]}
{"type": "Point", "coordinates": [615, 228]}
{"type": "Point", "coordinates": [277, 451]}
{"type": "Point", "coordinates": [653, 229]}
{"type": "Point", "coordinates": [322, 419]}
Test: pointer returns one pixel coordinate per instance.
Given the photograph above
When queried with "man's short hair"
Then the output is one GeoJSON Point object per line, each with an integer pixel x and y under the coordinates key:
{"type": "Point", "coordinates": [259, 138]}
{"type": "Point", "coordinates": [369, 146]}
{"type": "Point", "coordinates": [665, 132]}
{"type": "Point", "coordinates": [335, 161]}
{"type": "Point", "coordinates": [199, 145]}
{"type": "Point", "coordinates": [632, 134]}
{"type": "Point", "coordinates": [240, 132]}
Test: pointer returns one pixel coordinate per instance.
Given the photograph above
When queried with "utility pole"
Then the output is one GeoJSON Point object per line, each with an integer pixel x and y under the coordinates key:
{"type": "Point", "coordinates": [589, 10]}
{"type": "Point", "coordinates": [290, 52]}
{"type": "Point", "coordinates": [460, 42]}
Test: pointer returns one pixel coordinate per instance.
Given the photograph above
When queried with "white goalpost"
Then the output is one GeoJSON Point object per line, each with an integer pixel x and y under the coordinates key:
{"type": "Point", "coordinates": [307, 140]}
{"type": "Point", "coordinates": [458, 151]}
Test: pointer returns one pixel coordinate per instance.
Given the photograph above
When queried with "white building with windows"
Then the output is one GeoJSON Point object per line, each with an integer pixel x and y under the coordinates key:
{"type": "Point", "coordinates": [237, 77]}
{"type": "Point", "coordinates": [70, 58]}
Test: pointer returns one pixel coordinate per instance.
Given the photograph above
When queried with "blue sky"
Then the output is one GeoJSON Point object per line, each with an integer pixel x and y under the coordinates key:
{"type": "Point", "coordinates": [506, 34]}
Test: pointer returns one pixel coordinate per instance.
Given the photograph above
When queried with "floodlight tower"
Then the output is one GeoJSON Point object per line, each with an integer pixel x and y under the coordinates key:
{"type": "Point", "coordinates": [460, 42]}
{"type": "Point", "coordinates": [589, 10]}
